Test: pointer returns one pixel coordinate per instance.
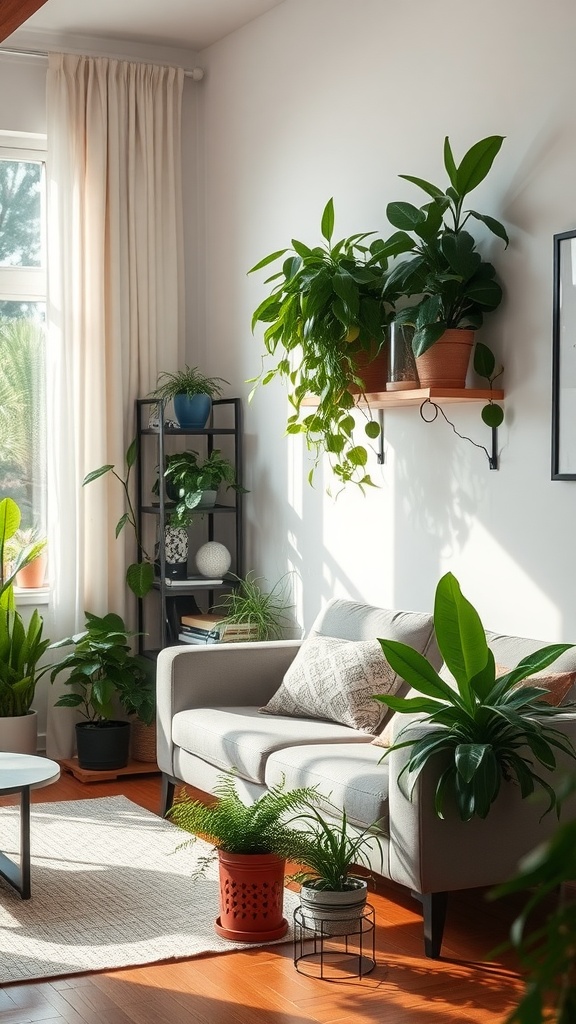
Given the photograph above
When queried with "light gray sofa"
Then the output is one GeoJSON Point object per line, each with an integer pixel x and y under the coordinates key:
{"type": "Point", "coordinates": [208, 701]}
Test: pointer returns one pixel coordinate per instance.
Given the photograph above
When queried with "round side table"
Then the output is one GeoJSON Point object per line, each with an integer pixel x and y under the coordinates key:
{"type": "Point", "coordinates": [20, 773]}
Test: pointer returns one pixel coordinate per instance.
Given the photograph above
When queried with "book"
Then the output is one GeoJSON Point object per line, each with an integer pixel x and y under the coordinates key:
{"type": "Point", "coordinates": [211, 624]}
{"type": "Point", "coordinates": [188, 638]}
{"type": "Point", "coordinates": [200, 621]}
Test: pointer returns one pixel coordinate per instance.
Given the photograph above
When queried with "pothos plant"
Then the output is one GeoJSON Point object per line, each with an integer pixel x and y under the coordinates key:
{"type": "Point", "coordinates": [328, 304]}
{"type": "Point", "coordinates": [480, 725]}
{"type": "Point", "coordinates": [139, 575]}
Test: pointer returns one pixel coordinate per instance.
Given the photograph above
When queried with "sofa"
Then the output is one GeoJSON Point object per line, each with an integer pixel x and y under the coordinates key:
{"type": "Point", "coordinates": [210, 721]}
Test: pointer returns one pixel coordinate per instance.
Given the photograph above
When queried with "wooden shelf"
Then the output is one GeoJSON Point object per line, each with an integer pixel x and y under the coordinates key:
{"type": "Point", "coordinates": [398, 399]}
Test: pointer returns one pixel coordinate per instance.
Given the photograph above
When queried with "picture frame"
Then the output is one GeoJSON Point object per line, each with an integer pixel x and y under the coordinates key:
{"type": "Point", "coordinates": [564, 357]}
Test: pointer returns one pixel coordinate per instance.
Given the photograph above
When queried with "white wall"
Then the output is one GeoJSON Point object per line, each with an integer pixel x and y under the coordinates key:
{"type": "Point", "coordinates": [325, 98]}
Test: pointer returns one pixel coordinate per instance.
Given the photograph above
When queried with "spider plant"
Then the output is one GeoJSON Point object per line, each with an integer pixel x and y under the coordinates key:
{"type": "Point", "coordinates": [328, 850]}
{"type": "Point", "coordinates": [189, 381]}
{"type": "Point", "coordinates": [264, 611]}
{"type": "Point", "coordinates": [484, 724]}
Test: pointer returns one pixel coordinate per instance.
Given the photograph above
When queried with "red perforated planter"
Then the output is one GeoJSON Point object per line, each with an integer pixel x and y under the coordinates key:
{"type": "Point", "coordinates": [251, 897]}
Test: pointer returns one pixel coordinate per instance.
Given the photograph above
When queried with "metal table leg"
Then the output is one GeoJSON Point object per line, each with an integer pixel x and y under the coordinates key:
{"type": "Point", "coordinates": [19, 876]}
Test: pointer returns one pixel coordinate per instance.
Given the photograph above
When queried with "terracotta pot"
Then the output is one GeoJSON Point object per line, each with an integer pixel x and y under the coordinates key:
{"type": "Point", "coordinates": [373, 369]}
{"type": "Point", "coordinates": [445, 364]}
{"type": "Point", "coordinates": [34, 574]}
{"type": "Point", "coordinates": [251, 897]}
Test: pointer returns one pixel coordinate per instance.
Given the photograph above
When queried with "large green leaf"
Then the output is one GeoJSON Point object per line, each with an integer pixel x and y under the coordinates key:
{"type": "Point", "coordinates": [416, 670]}
{"type": "Point", "coordinates": [405, 216]}
{"type": "Point", "coordinates": [450, 165]}
{"type": "Point", "coordinates": [476, 164]}
{"type": "Point", "coordinates": [425, 337]}
{"type": "Point", "coordinates": [494, 225]}
{"type": "Point", "coordinates": [431, 190]}
{"type": "Point", "coordinates": [459, 250]}
{"type": "Point", "coordinates": [140, 578]}
{"type": "Point", "coordinates": [460, 634]}
{"type": "Point", "coordinates": [327, 223]}
{"type": "Point", "coordinates": [268, 259]}
{"type": "Point", "coordinates": [484, 361]}
{"type": "Point", "coordinates": [485, 292]}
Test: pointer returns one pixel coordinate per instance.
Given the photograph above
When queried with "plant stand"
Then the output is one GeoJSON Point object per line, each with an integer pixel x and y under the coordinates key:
{"type": "Point", "coordinates": [86, 775]}
{"type": "Point", "coordinates": [335, 957]}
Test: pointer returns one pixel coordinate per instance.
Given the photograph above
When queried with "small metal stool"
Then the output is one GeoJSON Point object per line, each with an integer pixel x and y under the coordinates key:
{"type": "Point", "coordinates": [319, 953]}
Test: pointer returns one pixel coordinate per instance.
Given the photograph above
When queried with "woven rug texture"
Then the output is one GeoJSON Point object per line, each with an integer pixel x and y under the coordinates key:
{"type": "Point", "coordinates": [110, 888]}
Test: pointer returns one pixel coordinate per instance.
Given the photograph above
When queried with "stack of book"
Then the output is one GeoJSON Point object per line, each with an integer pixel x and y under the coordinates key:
{"type": "Point", "coordinates": [210, 629]}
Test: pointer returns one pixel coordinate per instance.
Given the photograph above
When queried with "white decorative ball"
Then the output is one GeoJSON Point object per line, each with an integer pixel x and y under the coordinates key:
{"type": "Point", "coordinates": [213, 559]}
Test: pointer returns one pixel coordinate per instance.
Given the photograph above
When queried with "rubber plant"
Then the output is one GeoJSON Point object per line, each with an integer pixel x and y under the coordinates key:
{"type": "Point", "coordinates": [327, 306]}
{"type": "Point", "coordinates": [481, 723]}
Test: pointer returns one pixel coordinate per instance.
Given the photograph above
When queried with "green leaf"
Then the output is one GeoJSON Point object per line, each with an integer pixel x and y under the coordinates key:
{"type": "Point", "coordinates": [417, 671]}
{"type": "Point", "coordinates": [492, 415]}
{"type": "Point", "coordinates": [358, 456]}
{"type": "Point", "coordinates": [459, 251]}
{"type": "Point", "coordinates": [484, 361]}
{"type": "Point", "coordinates": [95, 474]}
{"type": "Point", "coordinates": [268, 259]}
{"type": "Point", "coordinates": [122, 523]}
{"type": "Point", "coordinates": [460, 634]}
{"type": "Point", "coordinates": [449, 163]}
{"type": "Point", "coordinates": [405, 216]}
{"type": "Point", "coordinates": [346, 290]}
{"type": "Point", "coordinates": [425, 337]}
{"type": "Point", "coordinates": [494, 225]}
{"type": "Point", "coordinates": [140, 578]}
{"type": "Point", "coordinates": [302, 250]}
{"type": "Point", "coordinates": [327, 223]}
{"type": "Point", "coordinates": [373, 430]}
{"type": "Point", "coordinates": [476, 164]}
{"type": "Point", "coordinates": [431, 190]}
{"type": "Point", "coordinates": [132, 453]}
{"type": "Point", "coordinates": [485, 292]}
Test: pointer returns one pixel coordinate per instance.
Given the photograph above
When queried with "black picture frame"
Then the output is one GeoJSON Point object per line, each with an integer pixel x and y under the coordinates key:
{"type": "Point", "coordinates": [564, 357]}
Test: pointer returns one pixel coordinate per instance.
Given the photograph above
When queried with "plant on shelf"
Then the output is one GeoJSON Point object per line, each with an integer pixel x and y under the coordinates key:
{"type": "Point", "coordinates": [21, 645]}
{"type": "Point", "coordinates": [325, 323]}
{"type": "Point", "coordinates": [249, 841]}
{"type": "Point", "coordinates": [100, 669]}
{"type": "Point", "coordinates": [139, 575]}
{"type": "Point", "coordinates": [31, 538]}
{"type": "Point", "coordinates": [263, 611]}
{"type": "Point", "coordinates": [188, 478]}
{"type": "Point", "coordinates": [454, 287]}
{"type": "Point", "coordinates": [329, 851]}
{"type": "Point", "coordinates": [13, 557]}
{"type": "Point", "coordinates": [480, 724]}
{"type": "Point", "coordinates": [192, 393]}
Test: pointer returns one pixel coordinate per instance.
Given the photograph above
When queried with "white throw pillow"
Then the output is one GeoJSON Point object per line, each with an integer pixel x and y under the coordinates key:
{"type": "Point", "coordinates": [336, 680]}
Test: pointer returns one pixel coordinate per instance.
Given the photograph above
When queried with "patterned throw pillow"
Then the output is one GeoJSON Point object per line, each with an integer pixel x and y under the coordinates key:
{"type": "Point", "coordinates": [558, 684]}
{"type": "Point", "coordinates": [335, 680]}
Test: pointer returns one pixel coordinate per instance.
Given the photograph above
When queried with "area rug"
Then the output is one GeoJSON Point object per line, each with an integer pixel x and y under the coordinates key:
{"type": "Point", "coordinates": [110, 888]}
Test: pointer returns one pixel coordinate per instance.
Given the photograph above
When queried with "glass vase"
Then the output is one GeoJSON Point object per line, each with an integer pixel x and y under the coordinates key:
{"type": "Point", "coordinates": [402, 375]}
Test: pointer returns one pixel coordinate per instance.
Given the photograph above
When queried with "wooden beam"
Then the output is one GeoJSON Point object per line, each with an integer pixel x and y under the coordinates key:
{"type": "Point", "coordinates": [13, 14]}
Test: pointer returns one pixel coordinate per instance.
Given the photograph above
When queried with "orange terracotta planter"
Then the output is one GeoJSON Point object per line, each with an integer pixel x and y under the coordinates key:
{"type": "Point", "coordinates": [34, 574]}
{"type": "Point", "coordinates": [445, 364]}
{"type": "Point", "coordinates": [251, 897]}
{"type": "Point", "coordinates": [373, 370]}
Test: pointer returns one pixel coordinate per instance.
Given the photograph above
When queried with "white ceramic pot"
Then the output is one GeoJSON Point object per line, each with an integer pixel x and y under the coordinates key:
{"type": "Point", "coordinates": [333, 913]}
{"type": "Point", "coordinates": [19, 735]}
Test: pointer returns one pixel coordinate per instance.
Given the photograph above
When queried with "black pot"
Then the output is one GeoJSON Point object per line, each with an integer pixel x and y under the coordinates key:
{"type": "Point", "coordinates": [103, 746]}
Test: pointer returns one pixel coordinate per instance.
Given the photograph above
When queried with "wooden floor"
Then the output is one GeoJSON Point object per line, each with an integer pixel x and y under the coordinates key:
{"type": "Point", "coordinates": [263, 987]}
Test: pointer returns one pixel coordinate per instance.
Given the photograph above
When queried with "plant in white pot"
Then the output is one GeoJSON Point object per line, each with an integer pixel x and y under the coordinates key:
{"type": "Point", "coordinates": [100, 668]}
{"type": "Point", "coordinates": [333, 895]}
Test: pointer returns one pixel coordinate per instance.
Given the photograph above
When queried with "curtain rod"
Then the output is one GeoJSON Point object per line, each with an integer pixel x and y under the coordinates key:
{"type": "Point", "coordinates": [197, 74]}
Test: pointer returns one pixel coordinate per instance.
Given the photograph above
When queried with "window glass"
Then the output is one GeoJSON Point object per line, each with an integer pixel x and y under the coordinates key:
{"type": "Point", "coordinates": [22, 337]}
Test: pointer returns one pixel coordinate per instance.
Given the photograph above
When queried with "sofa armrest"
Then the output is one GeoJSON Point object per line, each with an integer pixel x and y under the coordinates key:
{"type": "Point", "coordinates": [430, 854]}
{"type": "Point", "coordinates": [215, 675]}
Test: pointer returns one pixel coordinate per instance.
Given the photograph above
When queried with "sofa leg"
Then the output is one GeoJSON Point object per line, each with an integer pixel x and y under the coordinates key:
{"type": "Point", "coordinates": [167, 795]}
{"type": "Point", "coordinates": [434, 912]}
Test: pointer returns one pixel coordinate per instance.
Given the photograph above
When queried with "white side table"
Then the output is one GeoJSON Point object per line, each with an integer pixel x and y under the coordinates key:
{"type": "Point", "coordinates": [20, 773]}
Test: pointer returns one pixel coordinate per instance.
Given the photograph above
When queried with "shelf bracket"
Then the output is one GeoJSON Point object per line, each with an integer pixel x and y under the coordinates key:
{"type": "Point", "coordinates": [380, 455]}
{"type": "Point", "coordinates": [493, 458]}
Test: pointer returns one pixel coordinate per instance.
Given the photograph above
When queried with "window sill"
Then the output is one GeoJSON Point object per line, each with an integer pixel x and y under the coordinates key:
{"type": "Point", "coordinates": [32, 595]}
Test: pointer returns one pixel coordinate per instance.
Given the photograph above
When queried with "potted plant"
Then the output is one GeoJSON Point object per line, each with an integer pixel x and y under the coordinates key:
{"type": "Point", "coordinates": [332, 895]}
{"type": "Point", "coordinates": [193, 483]}
{"type": "Point", "coordinates": [454, 286]}
{"type": "Point", "coordinates": [480, 726]}
{"type": "Point", "coordinates": [192, 394]}
{"type": "Point", "coordinates": [250, 604]}
{"type": "Point", "coordinates": [101, 667]}
{"type": "Point", "coordinates": [31, 575]}
{"type": "Point", "coordinates": [21, 645]}
{"type": "Point", "coordinates": [249, 841]}
{"type": "Point", "coordinates": [325, 323]}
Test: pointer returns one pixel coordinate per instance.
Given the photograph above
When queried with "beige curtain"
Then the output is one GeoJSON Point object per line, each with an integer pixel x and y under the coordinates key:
{"type": "Point", "coordinates": [115, 314]}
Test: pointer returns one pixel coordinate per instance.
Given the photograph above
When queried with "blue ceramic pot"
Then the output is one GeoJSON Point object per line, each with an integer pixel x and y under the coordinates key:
{"type": "Point", "coordinates": [192, 413]}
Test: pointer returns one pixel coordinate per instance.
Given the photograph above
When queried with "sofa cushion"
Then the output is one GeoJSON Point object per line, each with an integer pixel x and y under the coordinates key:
{"type": "Point", "coordinates": [347, 774]}
{"type": "Point", "coordinates": [241, 738]}
{"type": "Point", "coordinates": [336, 680]}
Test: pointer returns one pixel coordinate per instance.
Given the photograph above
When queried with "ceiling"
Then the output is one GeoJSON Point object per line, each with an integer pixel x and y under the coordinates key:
{"type": "Point", "coordinates": [186, 24]}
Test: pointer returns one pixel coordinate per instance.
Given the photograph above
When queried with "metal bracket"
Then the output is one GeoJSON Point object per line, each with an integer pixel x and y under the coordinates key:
{"type": "Point", "coordinates": [380, 455]}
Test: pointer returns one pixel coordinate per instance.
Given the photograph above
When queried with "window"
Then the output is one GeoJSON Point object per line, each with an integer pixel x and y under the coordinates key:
{"type": "Point", "coordinates": [22, 322]}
